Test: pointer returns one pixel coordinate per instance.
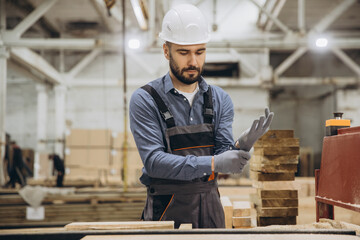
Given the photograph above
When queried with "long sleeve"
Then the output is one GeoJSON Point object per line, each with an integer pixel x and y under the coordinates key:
{"type": "Point", "coordinates": [148, 132]}
{"type": "Point", "coordinates": [223, 125]}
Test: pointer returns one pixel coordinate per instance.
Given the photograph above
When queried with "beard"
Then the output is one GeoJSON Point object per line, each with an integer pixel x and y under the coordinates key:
{"type": "Point", "coordinates": [180, 73]}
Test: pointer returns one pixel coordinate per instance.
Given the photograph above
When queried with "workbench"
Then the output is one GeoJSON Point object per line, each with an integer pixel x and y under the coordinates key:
{"type": "Point", "coordinates": [201, 234]}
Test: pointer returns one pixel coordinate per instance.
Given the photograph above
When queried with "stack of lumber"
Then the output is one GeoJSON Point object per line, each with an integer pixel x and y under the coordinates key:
{"type": "Point", "coordinates": [272, 169]}
{"type": "Point", "coordinates": [83, 205]}
{"type": "Point", "coordinates": [237, 214]}
{"type": "Point", "coordinates": [241, 214]}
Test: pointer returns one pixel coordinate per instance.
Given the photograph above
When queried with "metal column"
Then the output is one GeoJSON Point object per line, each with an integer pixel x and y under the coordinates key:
{"type": "Point", "coordinates": [3, 75]}
{"type": "Point", "coordinates": [3, 78]}
{"type": "Point", "coordinates": [60, 96]}
{"type": "Point", "coordinates": [42, 98]}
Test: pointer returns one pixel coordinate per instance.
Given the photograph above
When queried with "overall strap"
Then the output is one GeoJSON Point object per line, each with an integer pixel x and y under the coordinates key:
{"type": "Point", "coordinates": [164, 110]}
{"type": "Point", "coordinates": [208, 107]}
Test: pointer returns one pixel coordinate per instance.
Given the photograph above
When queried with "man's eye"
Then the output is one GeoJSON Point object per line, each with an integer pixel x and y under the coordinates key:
{"type": "Point", "coordinates": [183, 53]}
{"type": "Point", "coordinates": [200, 52]}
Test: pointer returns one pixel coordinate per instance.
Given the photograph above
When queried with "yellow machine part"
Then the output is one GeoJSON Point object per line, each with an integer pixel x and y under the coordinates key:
{"type": "Point", "coordinates": [338, 122]}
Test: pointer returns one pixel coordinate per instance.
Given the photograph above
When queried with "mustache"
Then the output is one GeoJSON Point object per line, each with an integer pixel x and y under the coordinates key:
{"type": "Point", "coordinates": [190, 68]}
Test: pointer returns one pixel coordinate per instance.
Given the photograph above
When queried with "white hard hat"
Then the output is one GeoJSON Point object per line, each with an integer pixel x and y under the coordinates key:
{"type": "Point", "coordinates": [185, 24]}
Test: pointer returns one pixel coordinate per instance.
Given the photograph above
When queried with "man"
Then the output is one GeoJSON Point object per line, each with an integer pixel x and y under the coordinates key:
{"type": "Point", "coordinates": [18, 170]}
{"type": "Point", "coordinates": [183, 129]}
{"type": "Point", "coordinates": [59, 166]}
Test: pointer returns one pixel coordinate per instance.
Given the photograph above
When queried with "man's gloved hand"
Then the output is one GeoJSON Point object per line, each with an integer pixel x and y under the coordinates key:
{"type": "Point", "coordinates": [231, 161]}
{"type": "Point", "coordinates": [258, 129]}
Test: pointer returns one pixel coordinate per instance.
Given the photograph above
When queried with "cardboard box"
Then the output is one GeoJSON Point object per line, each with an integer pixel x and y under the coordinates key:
{"type": "Point", "coordinates": [45, 166]}
{"type": "Point", "coordinates": [76, 156]}
{"type": "Point", "coordinates": [117, 140]}
{"type": "Point", "coordinates": [96, 158]}
{"type": "Point", "coordinates": [77, 138]}
{"type": "Point", "coordinates": [99, 158]}
{"type": "Point", "coordinates": [100, 138]}
{"type": "Point", "coordinates": [135, 165]}
{"type": "Point", "coordinates": [81, 173]}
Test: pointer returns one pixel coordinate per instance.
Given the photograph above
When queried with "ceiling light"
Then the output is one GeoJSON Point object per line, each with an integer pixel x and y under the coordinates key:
{"type": "Point", "coordinates": [134, 44]}
{"type": "Point", "coordinates": [321, 42]}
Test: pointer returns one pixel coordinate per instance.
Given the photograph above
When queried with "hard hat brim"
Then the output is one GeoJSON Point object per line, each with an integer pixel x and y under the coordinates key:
{"type": "Point", "coordinates": [184, 43]}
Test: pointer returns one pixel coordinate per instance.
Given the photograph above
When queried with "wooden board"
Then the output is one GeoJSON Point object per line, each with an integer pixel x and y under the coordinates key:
{"type": "Point", "coordinates": [241, 222]}
{"type": "Point", "coordinates": [269, 151]}
{"type": "Point", "coordinates": [275, 159]}
{"type": "Point", "coordinates": [229, 236]}
{"type": "Point", "coordinates": [228, 211]}
{"type": "Point", "coordinates": [271, 134]}
{"type": "Point", "coordinates": [278, 168]}
{"type": "Point", "coordinates": [277, 142]}
{"type": "Point", "coordinates": [266, 221]}
{"type": "Point", "coordinates": [185, 226]}
{"type": "Point", "coordinates": [277, 185]}
{"type": "Point", "coordinates": [277, 193]}
{"type": "Point", "coordinates": [277, 212]}
{"type": "Point", "coordinates": [76, 226]}
{"type": "Point", "coordinates": [278, 202]}
{"type": "Point", "coordinates": [241, 209]}
{"type": "Point", "coordinates": [258, 176]}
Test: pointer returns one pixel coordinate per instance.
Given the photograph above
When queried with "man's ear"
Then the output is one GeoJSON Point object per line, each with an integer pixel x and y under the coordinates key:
{"type": "Point", "coordinates": [166, 51]}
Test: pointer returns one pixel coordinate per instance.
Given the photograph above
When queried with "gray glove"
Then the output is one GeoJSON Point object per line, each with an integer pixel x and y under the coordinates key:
{"type": "Point", "coordinates": [258, 129]}
{"type": "Point", "coordinates": [231, 161]}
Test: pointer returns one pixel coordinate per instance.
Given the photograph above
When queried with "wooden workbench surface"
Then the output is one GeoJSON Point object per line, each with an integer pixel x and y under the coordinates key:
{"type": "Point", "coordinates": [224, 237]}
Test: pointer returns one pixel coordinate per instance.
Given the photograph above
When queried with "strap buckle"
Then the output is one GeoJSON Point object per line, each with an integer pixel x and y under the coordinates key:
{"type": "Point", "coordinates": [166, 115]}
{"type": "Point", "coordinates": [208, 112]}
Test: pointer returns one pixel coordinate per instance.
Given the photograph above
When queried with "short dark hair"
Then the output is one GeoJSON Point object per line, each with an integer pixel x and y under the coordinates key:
{"type": "Point", "coordinates": [168, 44]}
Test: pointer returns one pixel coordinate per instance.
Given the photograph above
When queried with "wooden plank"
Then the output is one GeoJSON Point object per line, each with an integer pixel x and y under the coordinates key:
{"type": "Point", "coordinates": [271, 134]}
{"type": "Point", "coordinates": [217, 236]}
{"type": "Point", "coordinates": [275, 159]}
{"type": "Point", "coordinates": [270, 151]}
{"type": "Point", "coordinates": [273, 202]}
{"type": "Point", "coordinates": [76, 226]}
{"type": "Point", "coordinates": [278, 168]}
{"type": "Point", "coordinates": [277, 185]}
{"type": "Point", "coordinates": [277, 193]}
{"type": "Point", "coordinates": [267, 221]}
{"type": "Point", "coordinates": [277, 212]}
{"type": "Point", "coordinates": [241, 222]}
{"type": "Point", "coordinates": [185, 226]}
{"type": "Point", "coordinates": [257, 176]}
{"type": "Point", "coordinates": [279, 202]}
{"type": "Point", "coordinates": [241, 209]}
{"type": "Point", "coordinates": [278, 142]}
{"type": "Point", "coordinates": [228, 211]}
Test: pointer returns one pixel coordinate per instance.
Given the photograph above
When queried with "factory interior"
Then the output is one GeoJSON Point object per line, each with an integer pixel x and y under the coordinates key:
{"type": "Point", "coordinates": [73, 161]}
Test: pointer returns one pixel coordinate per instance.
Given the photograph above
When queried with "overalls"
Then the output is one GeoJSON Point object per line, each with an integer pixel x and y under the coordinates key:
{"type": "Point", "coordinates": [196, 201]}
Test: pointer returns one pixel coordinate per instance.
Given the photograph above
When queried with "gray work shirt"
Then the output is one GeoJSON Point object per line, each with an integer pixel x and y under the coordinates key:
{"type": "Point", "coordinates": [148, 129]}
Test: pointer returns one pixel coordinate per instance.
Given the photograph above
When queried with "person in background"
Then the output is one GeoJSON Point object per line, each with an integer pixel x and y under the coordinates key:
{"type": "Point", "coordinates": [18, 170]}
{"type": "Point", "coordinates": [59, 166]}
{"type": "Point", "coordinates": [183, 129]}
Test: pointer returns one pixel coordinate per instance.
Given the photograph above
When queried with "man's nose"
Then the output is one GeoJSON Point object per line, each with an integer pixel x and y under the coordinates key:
{"type": "Point", "coordinates": [192, 60]}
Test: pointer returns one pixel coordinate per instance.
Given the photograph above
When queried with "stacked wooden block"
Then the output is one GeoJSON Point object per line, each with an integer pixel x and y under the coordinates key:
{"type": "Point", "coordinates": [273, 168]}
{"type": "Point", "coordinates": [241, 214]}
{"type": "Point", "coordinates": [237, 215]}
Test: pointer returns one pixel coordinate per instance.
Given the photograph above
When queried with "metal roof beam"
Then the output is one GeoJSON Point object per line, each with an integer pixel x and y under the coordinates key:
{"type": "Point", "coordinates": [83, 63]}
{"type": "Point", "coordinates": [326, 21]}
{"type": "Point", "coordinates": [277, 22]}
{"type": "Point", "coordinates": [346, 60]}
{"type": "Point", "coordinates": [31, 60]}
{"type": "Point", "coordinates": [32, 17]}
